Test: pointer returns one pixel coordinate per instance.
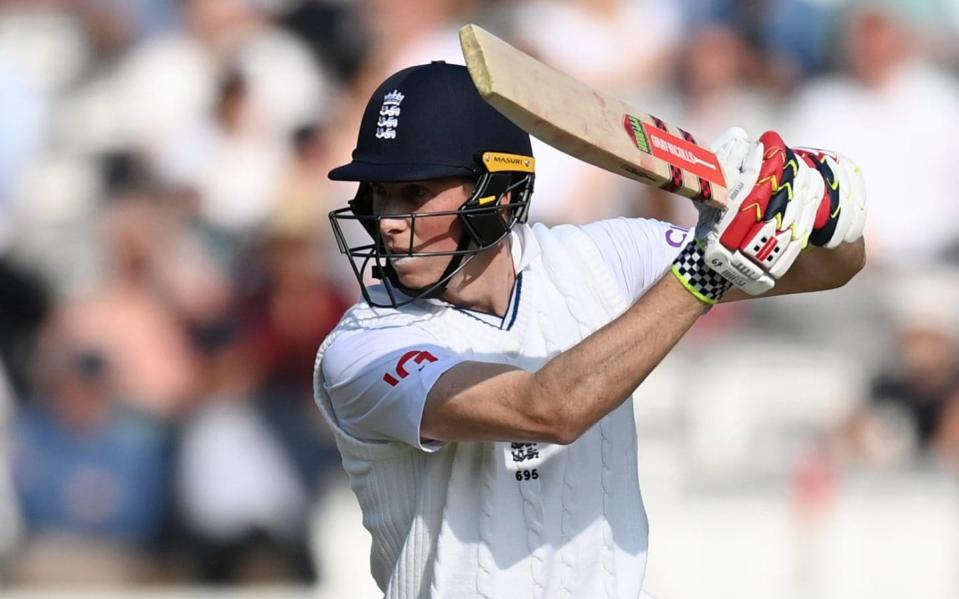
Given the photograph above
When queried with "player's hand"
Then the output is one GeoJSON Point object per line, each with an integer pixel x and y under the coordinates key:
{"type": "Point", "coordinates": [773, 199]}
{"type": "Point", "coordinates": [842, 212]}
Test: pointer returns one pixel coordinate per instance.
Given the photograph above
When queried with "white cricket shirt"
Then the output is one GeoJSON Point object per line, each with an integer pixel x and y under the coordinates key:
{"type": "Point", "coordinates": [489, 520]}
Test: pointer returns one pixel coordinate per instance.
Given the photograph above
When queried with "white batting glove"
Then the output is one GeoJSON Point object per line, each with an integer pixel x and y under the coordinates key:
{"type": "Point", "coordinates": [841, 216]}
{"type": "Point", "coordinates": [773, 199]}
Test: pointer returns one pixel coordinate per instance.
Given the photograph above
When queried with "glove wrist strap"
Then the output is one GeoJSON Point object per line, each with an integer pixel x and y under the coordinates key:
{"type": "Point", "coordinates": [705, 284]}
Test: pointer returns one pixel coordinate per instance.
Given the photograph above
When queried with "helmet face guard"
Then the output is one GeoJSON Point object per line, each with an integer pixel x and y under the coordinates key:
{"type": "Point", "coordinates": [486, 221]}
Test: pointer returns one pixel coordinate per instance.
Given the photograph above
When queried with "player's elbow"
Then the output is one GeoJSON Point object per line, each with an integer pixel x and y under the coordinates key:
{"type": "Point", "coordinates": [560, 431]}
{"type": "Point", "coordinates": [565, 435]}
{"type": "Point", "coordinates": [554, 422]}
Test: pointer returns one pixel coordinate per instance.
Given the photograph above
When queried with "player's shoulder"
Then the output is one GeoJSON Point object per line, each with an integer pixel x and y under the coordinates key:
{"type": "Point", "coordinates": [646, 231]}
{"type": "Point", "coordinates": [349, 352]}
{"type": "Point", "coordinates": [366, 333]}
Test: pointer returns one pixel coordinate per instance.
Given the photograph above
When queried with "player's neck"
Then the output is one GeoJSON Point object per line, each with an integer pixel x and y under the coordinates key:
{"type": "Point", "coordinates": [486, 283]}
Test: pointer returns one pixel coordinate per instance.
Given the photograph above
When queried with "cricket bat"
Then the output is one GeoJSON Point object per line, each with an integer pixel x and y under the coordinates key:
{"type": "Point", "coordinates": [589, 124]}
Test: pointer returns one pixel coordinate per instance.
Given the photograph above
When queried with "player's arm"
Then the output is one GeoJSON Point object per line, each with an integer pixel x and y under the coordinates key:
{"type": "Point", "coordinates": [777, 205]}
{"type": "Point", "coordinates": [402, 386]}
{"type": "Point", "coordinates": [476, 401]}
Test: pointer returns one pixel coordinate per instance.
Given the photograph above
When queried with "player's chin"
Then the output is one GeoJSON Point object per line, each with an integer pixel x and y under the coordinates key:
{"type": "Point", "coordinates": [418, 272]}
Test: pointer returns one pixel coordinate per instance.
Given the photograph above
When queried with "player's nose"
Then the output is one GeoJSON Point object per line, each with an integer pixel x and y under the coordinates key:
{"type": "Point", "coordinates": [393, 227]}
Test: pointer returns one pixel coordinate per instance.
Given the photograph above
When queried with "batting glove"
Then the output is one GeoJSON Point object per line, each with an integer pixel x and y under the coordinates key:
{"type": "Point", "coordinates": [773, 201]}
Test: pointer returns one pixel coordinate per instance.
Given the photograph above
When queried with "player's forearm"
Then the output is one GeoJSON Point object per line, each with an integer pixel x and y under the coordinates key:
{"type": "Point", "coordinates": [818, 269]}
{"type": "Point", "coordinates": [580, 386]}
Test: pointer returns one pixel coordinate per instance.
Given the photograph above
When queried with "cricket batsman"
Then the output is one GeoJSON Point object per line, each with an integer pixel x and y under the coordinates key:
{"type": "Point", "coordinates": [481, 391]}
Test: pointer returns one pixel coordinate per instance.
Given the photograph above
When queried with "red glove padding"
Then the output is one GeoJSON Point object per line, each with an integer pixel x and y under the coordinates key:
{"type": "Point", "coordinates": [761, 213]}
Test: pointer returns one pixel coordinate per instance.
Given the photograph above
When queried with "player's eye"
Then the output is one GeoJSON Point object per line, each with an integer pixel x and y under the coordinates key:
{"type": "Point", "coordinates": [416, 193]}
{"type": "Point", "coordinates": [399, 199]}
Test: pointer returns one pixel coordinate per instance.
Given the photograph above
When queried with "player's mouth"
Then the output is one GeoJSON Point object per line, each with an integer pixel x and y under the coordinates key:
{"type": "Point", "coordinates": [404, 264]}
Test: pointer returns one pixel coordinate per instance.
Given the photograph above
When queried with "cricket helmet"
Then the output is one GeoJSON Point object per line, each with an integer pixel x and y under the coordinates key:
{"type": "Point", "coordinates": [429, 122]}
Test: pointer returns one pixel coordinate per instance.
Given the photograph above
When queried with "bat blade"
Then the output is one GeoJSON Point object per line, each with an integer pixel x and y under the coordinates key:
{"type": "Point", "coordinates": [589, 124]}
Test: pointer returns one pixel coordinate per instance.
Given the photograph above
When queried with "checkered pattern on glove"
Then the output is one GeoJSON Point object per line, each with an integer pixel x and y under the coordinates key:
{"type": "Point", "coordinates": [703, 282]}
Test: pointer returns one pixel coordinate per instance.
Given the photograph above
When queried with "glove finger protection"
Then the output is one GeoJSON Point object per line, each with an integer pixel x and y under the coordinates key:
{"type": "Point", "coordinates": [766, 225]}
{"type": "Point", "coordinates": [841, 216]}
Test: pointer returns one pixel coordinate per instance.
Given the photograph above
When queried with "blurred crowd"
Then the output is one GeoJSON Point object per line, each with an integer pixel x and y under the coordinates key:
{"type": "Point", "coordinates": [167, 269]}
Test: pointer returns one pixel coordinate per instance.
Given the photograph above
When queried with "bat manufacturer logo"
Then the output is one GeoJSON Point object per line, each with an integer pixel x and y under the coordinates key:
{"type": "Point", "coordinates": [686, 155]}
{"type": "Point", "coordinates": [389, 115]}
{"type": "Point", "coordinates": [634, 128]}
{"type": "Point", "coordinates": [690, 157]}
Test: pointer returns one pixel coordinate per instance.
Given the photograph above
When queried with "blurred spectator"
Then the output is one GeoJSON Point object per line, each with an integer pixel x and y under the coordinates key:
{"type": "Point", "coordinates": [238, 180]}
{"type": "Point", "coordinates": [291, 310]}
{"type": "Point", "coordinates": [254, 454]}
{"type": "Point", "coordinates": [874, 111]}
{"type": "Point", "coordinates": [167, 89]}
{"type": "Point", "coordinates": [87, 468]}
{"type": "Point", "coordinates": [124, 318]}
{"type": "Point", "coordinates": [292, 305]}
{"type": "Point", "coordinates": [242, 505]}
{"type": "Point", "coordinates": [906, 415]}
{"type": "Point", "coordinates": [298, 207]}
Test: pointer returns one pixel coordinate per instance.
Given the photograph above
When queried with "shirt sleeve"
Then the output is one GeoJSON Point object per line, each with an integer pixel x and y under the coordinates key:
{"type": "Point", "coordinates": [378, 382]}
{"type": "Point", "coordinates": [637, 250]}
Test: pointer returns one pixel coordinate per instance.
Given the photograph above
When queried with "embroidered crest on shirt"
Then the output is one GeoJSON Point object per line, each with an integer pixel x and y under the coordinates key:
{"type": "Point", "coordinates": [524, 460]}
{"type": "Point", "coordinates": [389, 115]}
{"type": "Point", "coordinates": [524, 452]}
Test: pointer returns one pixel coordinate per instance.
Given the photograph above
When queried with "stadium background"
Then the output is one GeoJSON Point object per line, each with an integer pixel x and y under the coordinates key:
{"type": "Point", "coordinates": [167, 271]}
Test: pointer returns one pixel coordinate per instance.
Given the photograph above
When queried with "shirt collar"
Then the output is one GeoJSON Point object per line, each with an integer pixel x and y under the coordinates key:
{"type": "Point", "coordinates": [524, 248]}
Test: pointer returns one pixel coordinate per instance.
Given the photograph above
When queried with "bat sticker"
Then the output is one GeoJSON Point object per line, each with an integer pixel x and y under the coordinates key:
{"type": "Point", "coordinates": [679, 152]}
{"type": "Point", "coordinates": [634, 127]}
